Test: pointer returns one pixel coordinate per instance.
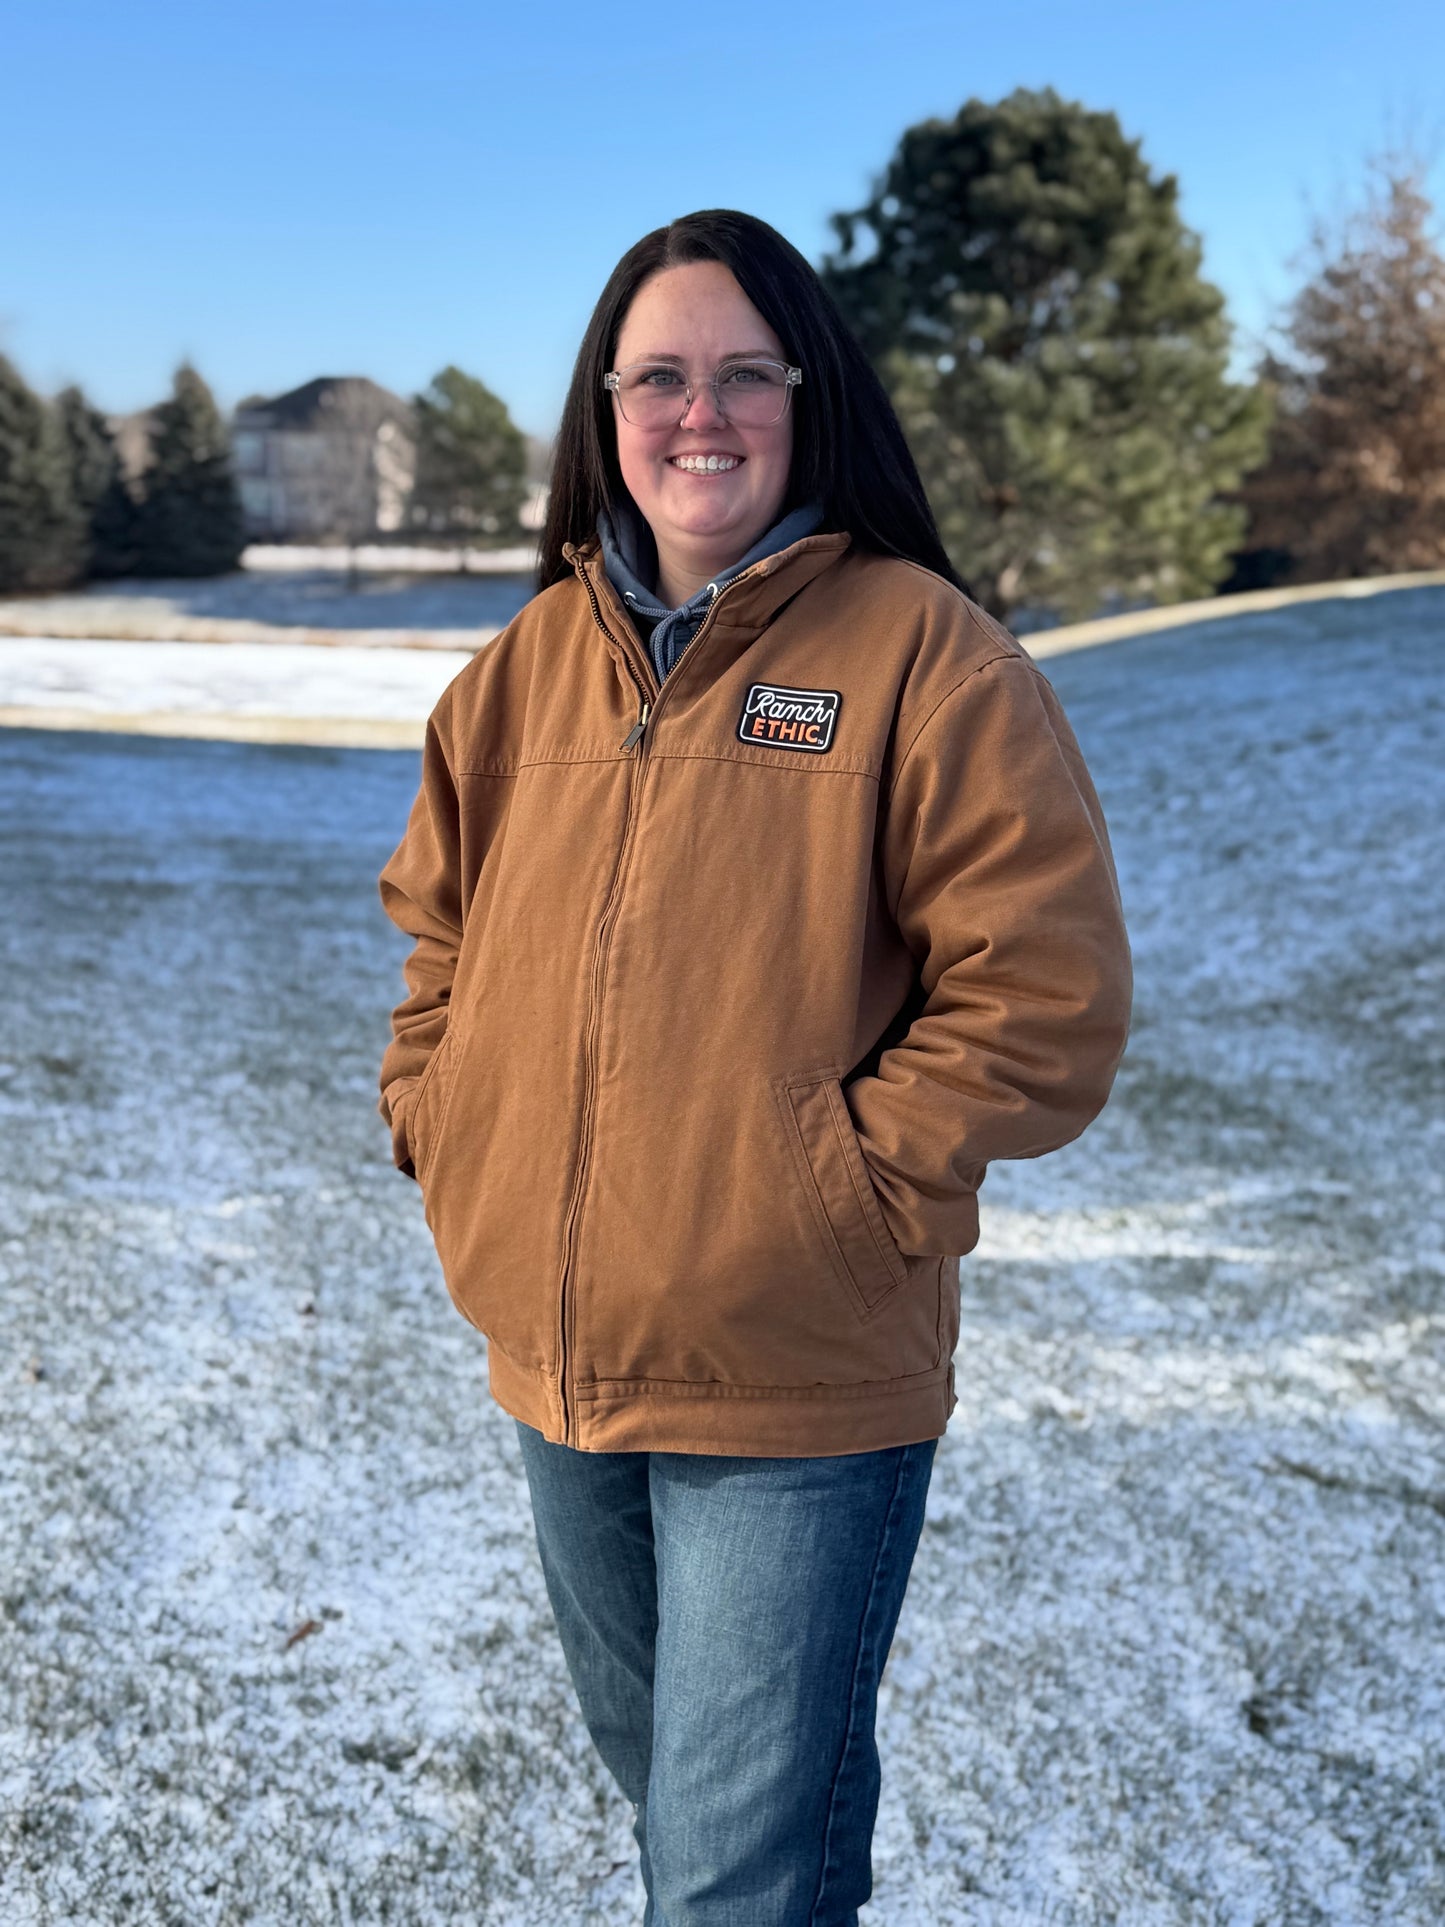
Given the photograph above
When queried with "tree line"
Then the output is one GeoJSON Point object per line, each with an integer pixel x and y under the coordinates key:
{"type": "Point", "coordinates": [70, 513]}
{"type": "Point", "coordinates": [1029, 294]}
{"type": "Point", "coordinates": [67, 511]}
{"type": "Point", "coordinates": [1036, 307]}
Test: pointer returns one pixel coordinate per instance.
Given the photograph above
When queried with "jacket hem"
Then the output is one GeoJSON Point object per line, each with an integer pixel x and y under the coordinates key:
{"type": "Point", "coordinates": [744, 1421]}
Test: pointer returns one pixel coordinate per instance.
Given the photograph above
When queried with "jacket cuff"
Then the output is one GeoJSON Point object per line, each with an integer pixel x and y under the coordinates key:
{"type": "Point", "coordinates": [395, 1108]}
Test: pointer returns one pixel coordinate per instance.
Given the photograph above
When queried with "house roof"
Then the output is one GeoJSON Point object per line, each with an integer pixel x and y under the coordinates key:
{"type": "Point", "coordinates": [352, 401]}
{"type": "Point", "coordinates": [133, 436]}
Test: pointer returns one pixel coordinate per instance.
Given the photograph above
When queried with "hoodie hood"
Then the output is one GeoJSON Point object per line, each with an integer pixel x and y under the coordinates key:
{"type": "Point", "coordinates": [629, 555]}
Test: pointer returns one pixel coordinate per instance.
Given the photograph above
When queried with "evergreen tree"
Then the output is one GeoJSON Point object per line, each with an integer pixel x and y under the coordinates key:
{"type": "Point", "coordinates": [190, 521]}
{"type": "Point", "coordinates": [1354, 483]}
{"type": "Point", "coordinates": [471, 459]}
{"type": "Point", "coordinates": [1034, 305]}
{"type": "Point", "coordinates": [42, 531]}
{"type": "Point", "coordinates": [98, 485]}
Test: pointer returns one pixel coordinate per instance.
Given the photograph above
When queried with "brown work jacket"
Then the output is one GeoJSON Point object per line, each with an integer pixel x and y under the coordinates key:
{"type": "Point", "coordinates": [724, 995]}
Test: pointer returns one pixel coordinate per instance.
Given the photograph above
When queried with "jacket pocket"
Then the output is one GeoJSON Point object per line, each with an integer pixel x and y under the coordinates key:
{"type": "Point", "coordinates": [428, 1111]}
{"type": "Point", "coordinates": [834, 1174]}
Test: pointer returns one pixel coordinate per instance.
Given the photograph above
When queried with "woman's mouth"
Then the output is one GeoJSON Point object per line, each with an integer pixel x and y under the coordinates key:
{"type": "Point", "coordinates": [704, 464]}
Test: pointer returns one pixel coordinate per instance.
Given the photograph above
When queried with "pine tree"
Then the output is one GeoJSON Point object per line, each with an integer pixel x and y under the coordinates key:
{"type": "Point", "coordinates": [98, 485]}
{"type": "Point", "coordinates": [471, 459]}
{"type": "Point", "coordinates": [1354, 482]}
{"type": "Point", "coordinates": [190, 521]}
{"type": "Point", "coordinates": [1035, 307]}
{"type": "Point", "coordinates": [42, 531]}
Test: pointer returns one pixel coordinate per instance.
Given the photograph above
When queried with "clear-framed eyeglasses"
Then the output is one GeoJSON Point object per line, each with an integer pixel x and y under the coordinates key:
{"type": "Point", "coordinates": [751, 393]}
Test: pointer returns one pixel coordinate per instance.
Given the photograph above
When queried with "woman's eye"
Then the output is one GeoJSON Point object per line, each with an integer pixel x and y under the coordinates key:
{"type": "Point", "coordinates": [658, 378]}
{"type": "Point", "coordinates": [749, 374]}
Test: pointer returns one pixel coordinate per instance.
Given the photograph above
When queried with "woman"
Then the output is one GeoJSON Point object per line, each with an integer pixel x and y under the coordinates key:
{"type": "Point", "coordinates": [760, 899]}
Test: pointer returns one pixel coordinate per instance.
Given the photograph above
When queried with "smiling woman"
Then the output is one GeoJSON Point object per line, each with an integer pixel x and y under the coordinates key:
{"type": "Point", "coordinates": [706, 474]}
{"type": "Point", "coordinates": [760, 898]}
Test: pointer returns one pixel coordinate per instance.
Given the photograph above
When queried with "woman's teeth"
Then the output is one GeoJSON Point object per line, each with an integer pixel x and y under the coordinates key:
{"type": "Point", "coordinates": [703, 464]}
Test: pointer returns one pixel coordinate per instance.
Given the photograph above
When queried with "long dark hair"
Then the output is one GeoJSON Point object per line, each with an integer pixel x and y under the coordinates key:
{"type": "Point", "coordinates": [849, 451]}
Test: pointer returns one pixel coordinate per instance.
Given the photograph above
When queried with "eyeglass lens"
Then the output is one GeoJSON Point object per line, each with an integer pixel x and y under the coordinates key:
{"type": "Point", "coordinates": [750, 393]}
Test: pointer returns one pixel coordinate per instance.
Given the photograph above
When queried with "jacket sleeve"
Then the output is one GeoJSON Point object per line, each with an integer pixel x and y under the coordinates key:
{"type": "Point", "coordinates": [421, 891]}
{"type": "Point", "coordinates": [1001, 880]}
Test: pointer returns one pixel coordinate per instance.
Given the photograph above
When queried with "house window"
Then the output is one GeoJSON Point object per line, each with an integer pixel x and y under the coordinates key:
{"type": "Point", "coordinates": [255, 499]}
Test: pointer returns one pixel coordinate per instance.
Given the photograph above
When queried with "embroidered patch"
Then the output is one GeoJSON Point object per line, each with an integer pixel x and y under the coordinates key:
{"type": "Point", "coordinates": [790, 718]}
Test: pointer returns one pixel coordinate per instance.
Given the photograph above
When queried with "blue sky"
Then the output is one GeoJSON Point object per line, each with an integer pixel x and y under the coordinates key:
{"type": "Point", "coordinates": [280, 191]}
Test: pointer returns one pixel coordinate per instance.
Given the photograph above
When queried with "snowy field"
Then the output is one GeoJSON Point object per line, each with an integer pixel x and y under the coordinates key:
{"type": "Point", "coordinates": [187, 688]}
{"type": "Point", "coordinates": [261, 604]}
{"type": "Point", "coordinates": [274, 1646]}
{"type": "Point", "coordinates": [385, 558]}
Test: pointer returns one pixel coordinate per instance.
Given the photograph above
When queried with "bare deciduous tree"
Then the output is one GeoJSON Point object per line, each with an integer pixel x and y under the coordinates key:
{"type": "Point", "coordinates": [1354, 483]}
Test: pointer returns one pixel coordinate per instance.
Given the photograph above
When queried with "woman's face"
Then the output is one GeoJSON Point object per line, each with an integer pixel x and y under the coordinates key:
{"type": "Point", "coordinates": [699, 316]}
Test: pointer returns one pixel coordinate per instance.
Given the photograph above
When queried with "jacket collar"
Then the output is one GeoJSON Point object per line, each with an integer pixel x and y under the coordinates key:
{"type": "Point", "coordinates": [629, 555]}
{"type": "Point", "coordinates": [751, 602]}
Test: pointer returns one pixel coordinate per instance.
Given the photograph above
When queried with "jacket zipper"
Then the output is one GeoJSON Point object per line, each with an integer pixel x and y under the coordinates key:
{"type": "Point", "coordinates": [629, 742]}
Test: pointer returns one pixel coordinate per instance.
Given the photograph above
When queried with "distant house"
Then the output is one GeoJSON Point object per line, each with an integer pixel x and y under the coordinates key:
{"type": "Point", "coordinates": [332, 460]}
{"type": "Point", "coordinates": [533, 513]}
{"type": "Point", "coordinates": [134, 435]}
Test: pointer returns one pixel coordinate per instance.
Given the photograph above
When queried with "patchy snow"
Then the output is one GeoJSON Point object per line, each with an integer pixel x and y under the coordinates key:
{"type": "Point", "coordinates": [274, 1643]}
{"type": "Point", "coordinates": [384, 558]}
{"type": "Point", "coordinates": [223, 679]}
{"type": "Point", "coordinates": [393, 608]}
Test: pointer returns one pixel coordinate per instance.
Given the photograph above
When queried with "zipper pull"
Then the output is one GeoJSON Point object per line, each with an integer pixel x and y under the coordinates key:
{"type": "Point", "coordinates": [636, 730]}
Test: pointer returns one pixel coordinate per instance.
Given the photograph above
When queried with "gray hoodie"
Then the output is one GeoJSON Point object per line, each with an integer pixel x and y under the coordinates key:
{"type": "Point", "coordinates": [629, 555]}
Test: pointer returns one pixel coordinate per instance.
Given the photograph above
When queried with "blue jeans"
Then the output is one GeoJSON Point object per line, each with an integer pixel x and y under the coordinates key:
{"type": "Point", "coordinates": [725, 1622]}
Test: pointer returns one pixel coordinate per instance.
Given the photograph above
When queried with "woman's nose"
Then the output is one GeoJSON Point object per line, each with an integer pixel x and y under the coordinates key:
{"type": "Point", "coordinates": [702, 411]}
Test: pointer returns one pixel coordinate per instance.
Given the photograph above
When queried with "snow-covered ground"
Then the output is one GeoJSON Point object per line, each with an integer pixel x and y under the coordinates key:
{"type": "Point", "coordinates": [274, 1644]}
{"type": "Point", "coordinates": [384, 558]}
{"type": "Point", "coordinates": [315, 604]}
{"type": "Point", "coordinates": [185, 684]}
